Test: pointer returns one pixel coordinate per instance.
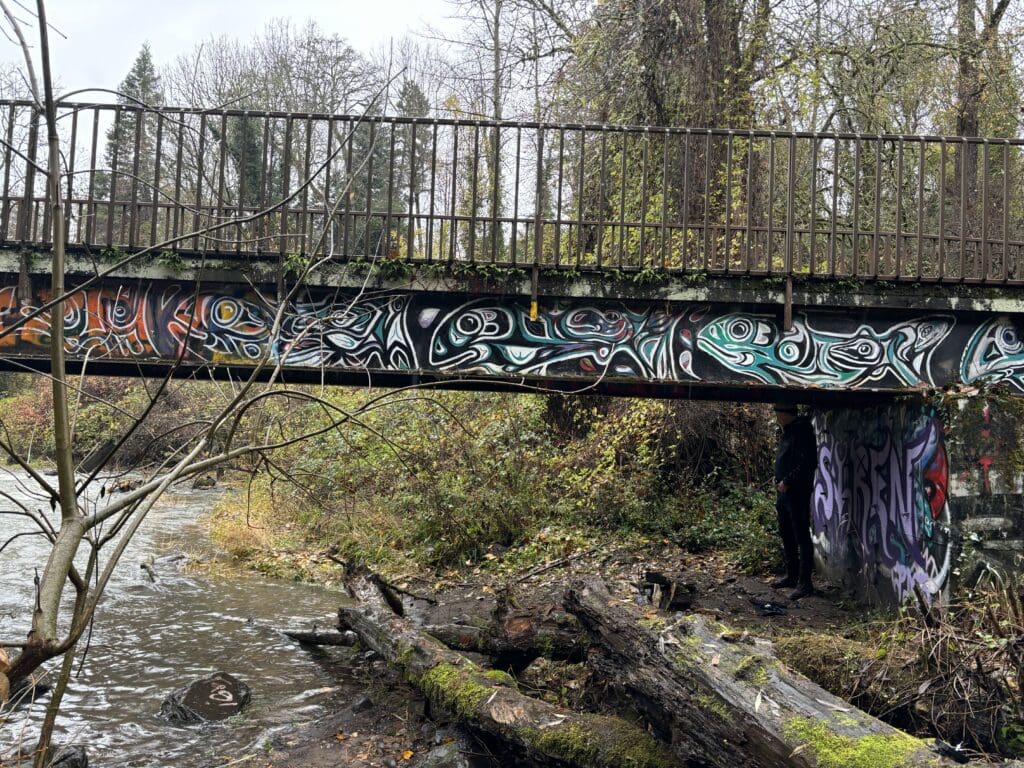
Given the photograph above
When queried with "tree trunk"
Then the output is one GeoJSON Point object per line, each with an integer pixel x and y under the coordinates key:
{"type": "Point", "coordinates": [487, 700]}
{"type": "Point", "coordinates": [968, 100]}
{"type": "Point", "coordinates": [733, 705]}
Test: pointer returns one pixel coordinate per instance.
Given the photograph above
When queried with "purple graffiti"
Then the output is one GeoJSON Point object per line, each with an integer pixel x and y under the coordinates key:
{"type": "Point", "coordinates": [879, 503]}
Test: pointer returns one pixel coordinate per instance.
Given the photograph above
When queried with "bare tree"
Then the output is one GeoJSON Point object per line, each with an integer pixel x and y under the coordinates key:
{"type": "Point", "coordinates": [240, 429]}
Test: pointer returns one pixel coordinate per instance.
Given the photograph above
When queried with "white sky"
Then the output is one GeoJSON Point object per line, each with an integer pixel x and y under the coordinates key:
{"type": "Point", "coordinates": [104, 36]}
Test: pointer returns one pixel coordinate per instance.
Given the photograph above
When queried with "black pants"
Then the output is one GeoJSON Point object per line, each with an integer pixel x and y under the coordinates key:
{"type": "Point", "coordinates": [794, 510]}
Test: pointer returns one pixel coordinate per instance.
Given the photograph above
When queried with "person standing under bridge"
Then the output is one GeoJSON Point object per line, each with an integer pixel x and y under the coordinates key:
{"type": "Point", "coordinates": [795, 459]}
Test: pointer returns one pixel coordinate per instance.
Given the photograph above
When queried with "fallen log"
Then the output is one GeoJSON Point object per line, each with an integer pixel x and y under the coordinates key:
{"type": "Point", "coordinates": [729, 704]}
{"type": "Point", "coordinates": [514, 629]}
{"type": "Point", "coordinates": [489, 702]}
{"type": "Point", "coordinates": [321, 638]}
{"type": "Point", "coordinates": [517, 636]}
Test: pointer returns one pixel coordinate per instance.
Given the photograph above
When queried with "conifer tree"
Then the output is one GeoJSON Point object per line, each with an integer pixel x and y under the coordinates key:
{"type": "Point", "coordinates": [140, 89]}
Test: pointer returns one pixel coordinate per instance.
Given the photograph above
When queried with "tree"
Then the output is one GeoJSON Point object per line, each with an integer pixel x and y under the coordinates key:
{"type": "Point", "coordinates": [412, 153]}
{"type": "Point", "coordinates": [237, 430]}
{"type": "Point", "coordinates": [138, 92]}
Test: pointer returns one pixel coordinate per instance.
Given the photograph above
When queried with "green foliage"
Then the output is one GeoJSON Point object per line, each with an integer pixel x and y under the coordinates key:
{"type": "Point", "coordinates": [738, 519]}
{"type": "Point", "coordinates": [171, 261]}
{"type": "Point", "coordinates": [455, 478]}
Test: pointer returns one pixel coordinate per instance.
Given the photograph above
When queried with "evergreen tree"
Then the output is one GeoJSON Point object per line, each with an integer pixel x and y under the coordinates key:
{"type": "Point", "coordinates": [139, 90]}
{"type": "Point", "coordinates": [412, 155]}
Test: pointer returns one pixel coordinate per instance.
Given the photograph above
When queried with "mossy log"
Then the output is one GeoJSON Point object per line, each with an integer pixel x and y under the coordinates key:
{"type": "Point", "coordinates": [488, 700]}
{"type": "Point", "coordinates": [732, 704]}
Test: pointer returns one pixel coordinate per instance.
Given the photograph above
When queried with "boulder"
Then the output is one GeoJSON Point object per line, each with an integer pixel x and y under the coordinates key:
{"type": "Point", "coordinates": [203, 482]}
{"type": "Point", "coordinates": [216, 697]}
{"type": "Point", "coordinates": [445, 756]}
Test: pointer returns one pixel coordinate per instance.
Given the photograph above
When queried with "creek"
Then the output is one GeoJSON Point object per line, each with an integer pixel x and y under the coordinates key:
{"type": "Point", "coordinates": [150, 637]}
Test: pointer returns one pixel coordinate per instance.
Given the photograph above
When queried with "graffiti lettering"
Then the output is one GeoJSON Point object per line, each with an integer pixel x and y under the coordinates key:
{"type": "Point", "coordinates": [880, 498]}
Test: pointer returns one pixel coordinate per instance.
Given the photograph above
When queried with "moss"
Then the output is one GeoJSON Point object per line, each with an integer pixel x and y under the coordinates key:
{"type": "Point", "coordinates": [753, 669]}
{"type": "Point", "coordinates": [652, 623]}
{"type": "Point", "coordinates": [546, 646]}
{"type": "Point", "coordinates": [832, 662]}
{"type": "Point", "coordinates": [595, 740]}
{"type": "Point", "coordinates": [835, 750]}
{"type": "Point", "coordinates": [689, 652]}
{"type": "Point", "coordinates": [710, 703]}
{"type": "Point", "coordinates": [500, 677]}
{"type": "Point", "coordinates": [457, 688]}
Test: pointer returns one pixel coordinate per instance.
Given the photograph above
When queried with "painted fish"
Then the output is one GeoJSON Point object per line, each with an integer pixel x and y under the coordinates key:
{"type": "Point", "coordinates": [755, 346]}
{"type": "Point", "coordinates": [490, 338]}
{"type": "Point", "coordinates": [346, 333]}
{"type": "Point", "coordinates": [995, 353]}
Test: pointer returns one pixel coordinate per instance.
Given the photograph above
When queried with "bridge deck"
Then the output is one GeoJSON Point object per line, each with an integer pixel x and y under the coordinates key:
{"type": "Point", "coordinates": [579, 197]}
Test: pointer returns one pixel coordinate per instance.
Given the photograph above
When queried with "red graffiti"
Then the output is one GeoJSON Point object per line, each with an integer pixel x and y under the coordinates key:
{"type": "Point", "coordinates": [936, 480]}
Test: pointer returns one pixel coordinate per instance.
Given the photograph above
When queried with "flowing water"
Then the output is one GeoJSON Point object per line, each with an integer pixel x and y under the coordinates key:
{"type": "Point", "coordinates": [152, 637]}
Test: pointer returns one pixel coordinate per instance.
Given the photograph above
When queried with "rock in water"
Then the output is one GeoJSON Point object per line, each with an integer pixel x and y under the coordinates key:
{"type": "Point", "coordinates": [203, 482]}
{"type": "Point", "coordinates": [216, 697]}
{"type": "Point", "coordinates": [70, 757]}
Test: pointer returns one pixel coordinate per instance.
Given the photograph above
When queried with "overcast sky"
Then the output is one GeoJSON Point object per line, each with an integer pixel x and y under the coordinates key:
{"type": "Point", "coordinates": [104, 36]}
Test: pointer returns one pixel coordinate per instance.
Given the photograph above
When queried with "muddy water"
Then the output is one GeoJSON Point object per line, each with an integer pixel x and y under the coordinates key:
{"type": "Point", "coordinates": [151, 637]}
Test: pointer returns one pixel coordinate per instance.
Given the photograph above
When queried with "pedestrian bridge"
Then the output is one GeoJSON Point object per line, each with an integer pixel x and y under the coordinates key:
{"type": "Point", "coordinates": [617, 259]}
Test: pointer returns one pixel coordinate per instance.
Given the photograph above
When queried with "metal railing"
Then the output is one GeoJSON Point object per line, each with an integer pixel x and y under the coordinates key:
{"type": "Point", "coordinates": [603, 197]}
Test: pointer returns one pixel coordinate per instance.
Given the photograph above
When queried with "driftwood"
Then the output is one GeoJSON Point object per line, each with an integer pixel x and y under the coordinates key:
{"type": "Point", "coordinates": [321, 638]}
{"type": "Point", "coordinates": [732, 704]}
{"type": "Point", "coordinates": [517, 635]}
{"type": "Point", "coordinates": [489, 701]}
{"type": "Point", "coordinates": [514, 629]}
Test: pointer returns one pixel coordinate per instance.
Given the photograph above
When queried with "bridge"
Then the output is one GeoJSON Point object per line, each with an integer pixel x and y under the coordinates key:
{"type": "Point", "coordinates": [630, 260]}
{"type": "Point", "coordinates": [835, 269]}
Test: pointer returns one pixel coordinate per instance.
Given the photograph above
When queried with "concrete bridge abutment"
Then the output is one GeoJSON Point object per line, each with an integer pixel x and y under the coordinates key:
{"type": "Point", "coordinates": [918, 497]}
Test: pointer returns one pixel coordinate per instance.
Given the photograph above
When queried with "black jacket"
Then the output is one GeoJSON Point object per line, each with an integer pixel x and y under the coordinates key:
{"type": "Point", "coordinates": [796, 455]}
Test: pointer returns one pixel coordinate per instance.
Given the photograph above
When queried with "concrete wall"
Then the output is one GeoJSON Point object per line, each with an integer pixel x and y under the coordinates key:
{"type": "Point", "coordinates": [907, 496]}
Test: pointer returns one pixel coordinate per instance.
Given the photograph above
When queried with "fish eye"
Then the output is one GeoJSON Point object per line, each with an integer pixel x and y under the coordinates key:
{"type": "Point", "coordinates": [225, 311]}
{"type": "Point", "coordinates": [469, 323]}
{"type": "Point", "coordinates": [740, 328]}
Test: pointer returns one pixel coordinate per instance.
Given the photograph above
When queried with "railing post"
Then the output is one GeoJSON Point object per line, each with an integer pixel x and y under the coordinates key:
{"type": "Point", "coordinates": [22, 230]}
{"type": "Point", "coordinates": [538, 226]}
{"type": "Point", "coordinates": [538, 221]}
{"type": "Point", "coordinates": [790, 213]}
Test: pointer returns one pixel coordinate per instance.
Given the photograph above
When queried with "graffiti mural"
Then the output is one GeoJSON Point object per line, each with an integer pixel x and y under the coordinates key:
{"type": "Point", "coordinates": [881, 500]}
{"type": "Point", "coordinates": [488, 337]}
{"type": "Point", "coordinates": [755, 346]}
{"type": "Point", "coordinates": [462, 335]}
{"type": "Point", "coordinates": [367, 333]}
{"type": "Point", "coordinates": [995, 353]}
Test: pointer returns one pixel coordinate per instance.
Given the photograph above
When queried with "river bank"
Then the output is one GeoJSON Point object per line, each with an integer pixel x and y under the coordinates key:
{"type": "Point", "coordinates": [162, 626]}
{"type": "Point", "coordinates": [718, 588]}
